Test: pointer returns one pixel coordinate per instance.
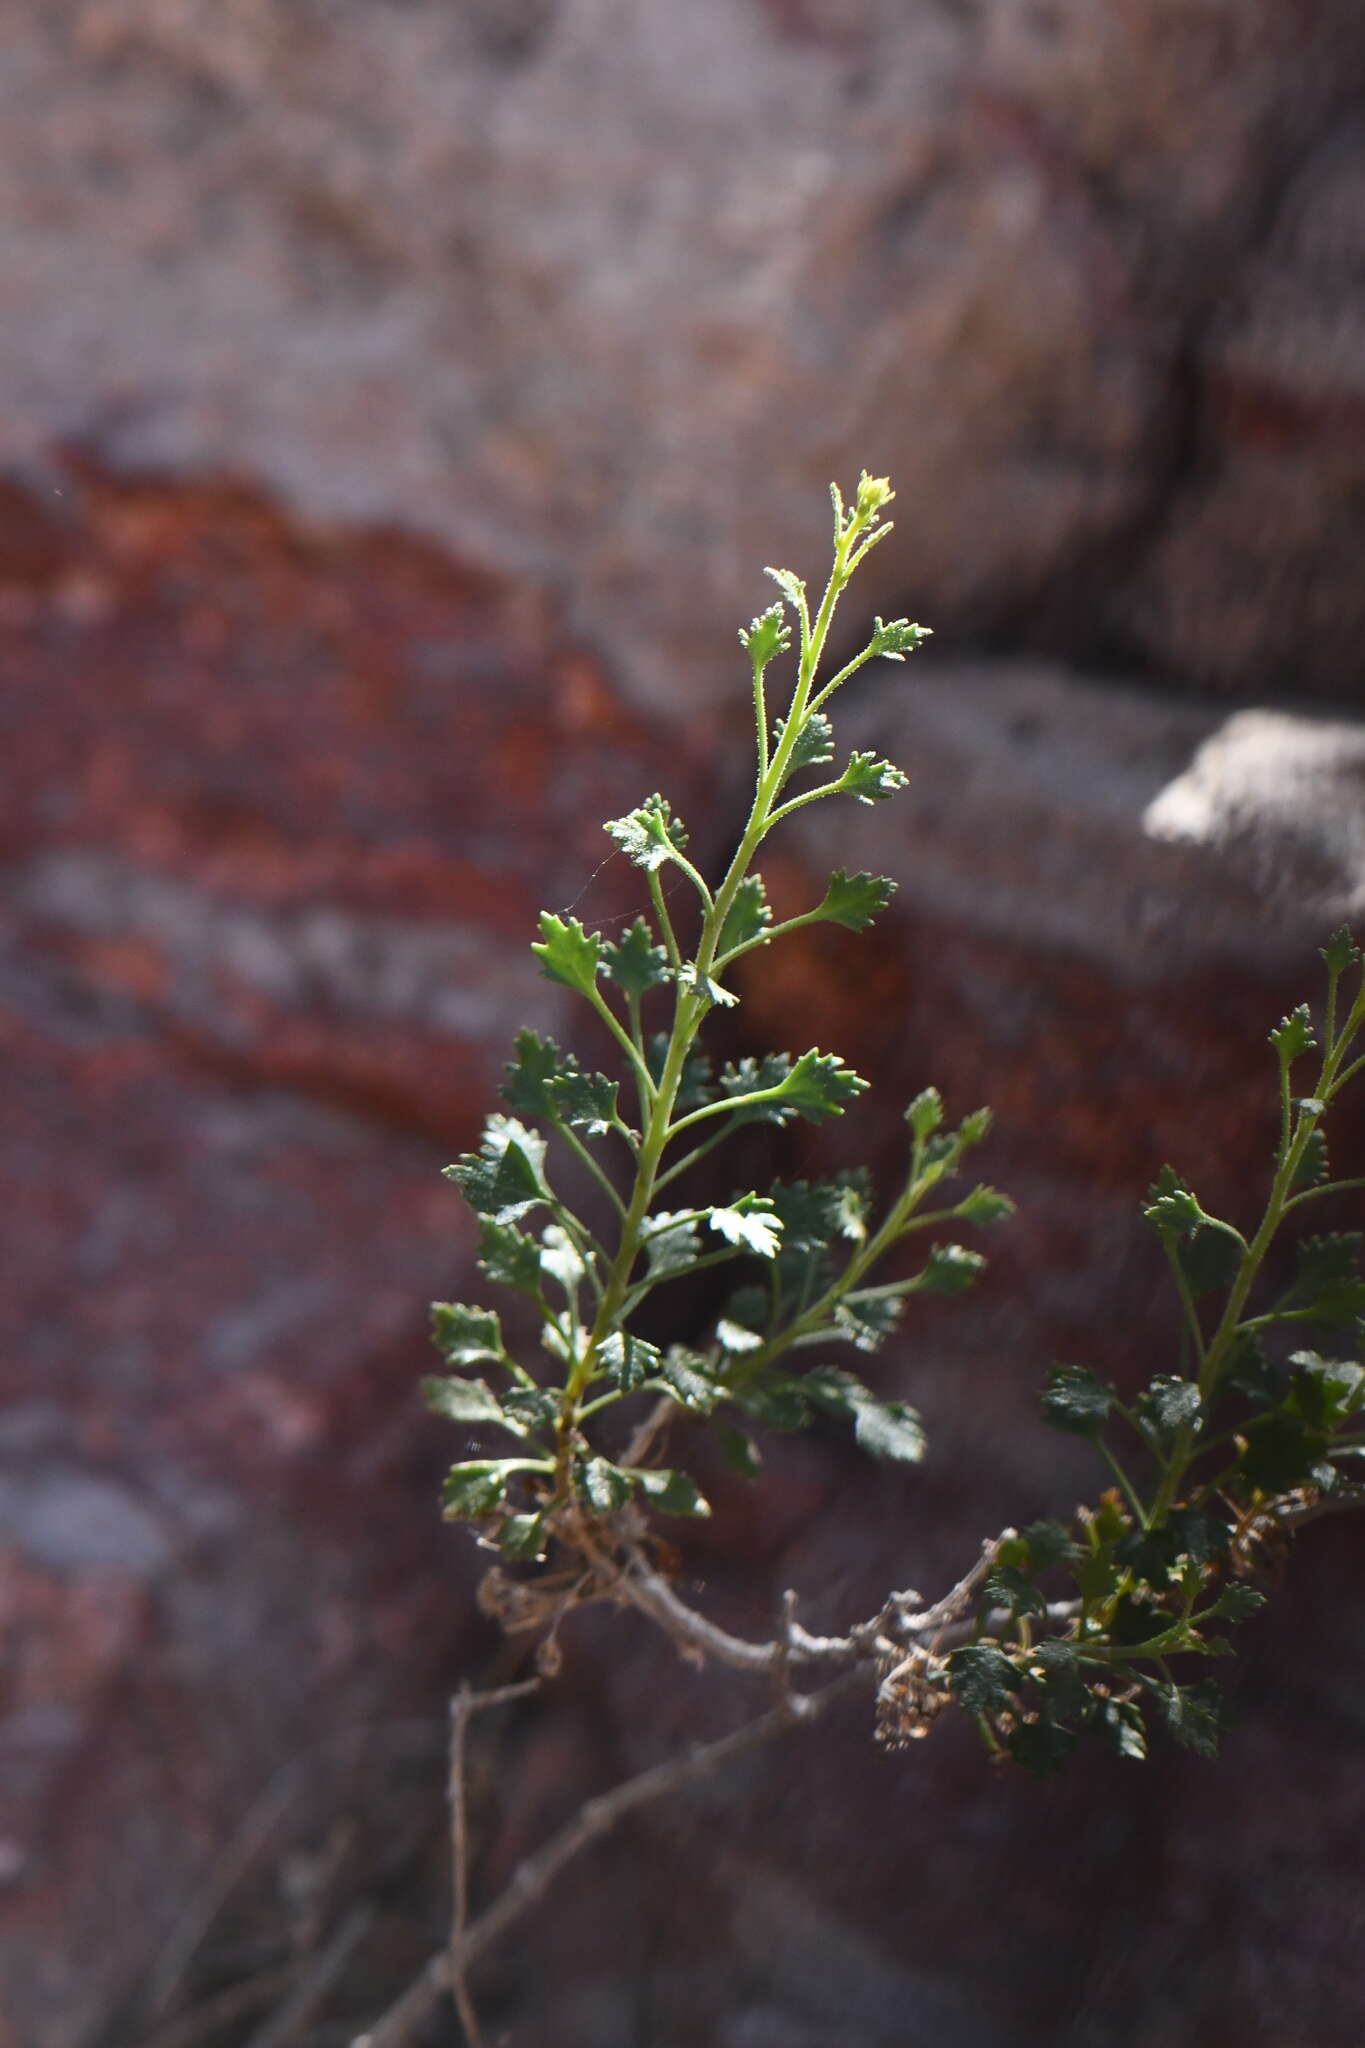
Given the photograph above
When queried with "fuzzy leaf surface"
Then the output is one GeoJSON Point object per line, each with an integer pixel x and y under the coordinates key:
{"type": "Point", "coordinates": [634, 962]}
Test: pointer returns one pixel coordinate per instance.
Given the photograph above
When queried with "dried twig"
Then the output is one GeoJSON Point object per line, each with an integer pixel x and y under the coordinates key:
{"type": "Point", "coordinates": [594, 1819]}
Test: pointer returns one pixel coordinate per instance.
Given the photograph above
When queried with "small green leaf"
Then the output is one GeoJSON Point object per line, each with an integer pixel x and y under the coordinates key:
{"type": "Point", "coordinates": [814, 1213]}
{"type": "Point", "coordinates": [567, 953]}
{"type": "Point", "coordinates": [950, 1269]}
{"type": "Point", "coordinates": [766, 637]}
{"type": "Point", "coordinates": [869, 1322]}
{"type": "Point", "coordinates": [1172, 1208]}
{"type": "Point", "coordinates": [738, 1450]}
{"type": "Point", "coordinates": [750, 1076]}
{"type": "Point", "coordinates": [673, 1493]}
{"type": "Point", "coordinates": [1076, 1401]}
{"type": "Point", "coordinates": [1049, 1544]}
{"type": "Point", "coordinates": [468, 1401]}
{"type": "Point", "coordinates": [871, 780]}
{"type": "Point", "coordinates": [747, 918]}
{"type": "Point", "coordinates": [896, 638]}
{"type": "Point", "coordinates": [1198, 1533]}
{"type": "Point", "coordinates": [1325, 1391]}
{"type": "Point", "coordinates": [751, 1222]}
{"type": "Point", "coordinates": [1169, 1404]}
{"type": "Point", "coordinates": [1312, 1168]}
{"type": "Point", "coordinates": [587, 1101]}
{"type": "Point", "coordinates": [649, 835]}
{"type": "Point", "coordinates": [791, 586]}
{"type": "Point", "coordinates": [1236, 1602]}
{"type": "Point", "coordinates": [854, 900]}
{"type": "Point", "coordinates": [671, 1242]}
{"type": "Point", "coordinates": [522, 1537]}
{"type": "Point", "coordinates": [686, 1373]}
{"type": "Point", "coordinates": [1042, 1747]}
{"type": "Point", "coordinates": [1120, 1724]}
{"type": "Point", "coordinates": [508, 1257]}
{"type": "Point", "coordinates": [884, 1429]}
{"type": "Point", "coordinates": [775, 1400]}
{"type": "Point", "coordinates": [634, 962]}
{"type": "Point", "coordinates": [1249, 1372]}
{"type": "Point", "coordinates": [474, 1488]}
{"type": "Point", "coordinates": [925, 1113]}
{"type": "Point", "coordinates": [814, 742]}
{"type": "Point", "coordinates": [1323, 1259]}
{"type": "Point", "coordinates": [561, 1259]}
{"type": "Point", "coordinates": [1008, 1587]}
{"type": "Point", "coordinates": [982, 1678]}
{"type": "Point", "coordinates": [1341, 951]}
{"type": "Point", "coordinates": [1193, 1714]}
{"type": "Point", "coordinates": [737, 1338]}
{"type": "Point", "coordinates": [605, 1487]}
{"type": "Point", "coordinates": [820, 1084]}
{"type": "Point", "coordinates": [466, 1336]}
{"type": "Point", "coordinates": [691, 976]}
{"type": "Point", "coordinates": [534, 1409]}
{"type": "Point", "coordinates": [538, 1062]}
{"type": "Point", "coordinates": [1210, 1261]}
{"type": "Point", "coordinates": [626, 1361]}
{"type": "Point", "coordinates": [1293, 1035]}
{"type": "Point", "coordinates": [973, 1128]}
{"type": "Point", "coordinates": [985, 1205]}
{"type": "Point", "coordinates": [506, 1176]}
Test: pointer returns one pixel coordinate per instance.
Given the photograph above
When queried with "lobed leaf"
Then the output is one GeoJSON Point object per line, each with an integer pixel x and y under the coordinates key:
{"type": "Point", "coordinates": [505, 1177]}
{"type": "Point", "coordinates": [671, 1242]}
{"type": "Point", "coordinates": [896, 638]}
{"type": "Point", "coordinates": [766, 636]}
{"type": "Point", "coordinates": [567, 953]}
{"type": "Point", "coordinates": [673, 1493]}
{"type": "Point", "coordinates": [982, 1678]}
{"type": "Point", "coordinates": [467, 1401]}
{"type": "Point", "coordinates": [752, 1222]}
{"type": "Point", "coordinates": [854, 900]}
{"type": "Point", "coordinates": [871, 780]}
{"type": "Point", "coordinates": [508, 1257]}
{"type": "Point", "coordinates": [1294, 1035]}
{"type": "Point", "coordinates": [1192, 1713]}
{"type": "Point", "coordinates": [1076, 1401]}
{"type": "Point", "coordinates": [650, 834]}
{"type": "Point", "coordinates": [464, 1335]}
{"type": "Point", "coordinates": [950, 1269]}
{"type": "Point", "coordinates": [626, 1361]}
{"type": "Point", "coordinates": [587, 1101]}
{"type": "Point", "coordinates": [1341, 951]}
{"type": "Point", "coordinates": [814, 742]}
{"type": "Point", "coordinates": [539, 1061]}
{"type": "Point", "coordinates": [634, 962]}
{"type": "Point", "coordinates": [885, 1429]}
{"type": "Point", "coordinates": [748, 917]}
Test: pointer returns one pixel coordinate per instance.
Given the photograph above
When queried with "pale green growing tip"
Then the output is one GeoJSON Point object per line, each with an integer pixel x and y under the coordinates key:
{"type": "Point", "coordinates": [873, 493]}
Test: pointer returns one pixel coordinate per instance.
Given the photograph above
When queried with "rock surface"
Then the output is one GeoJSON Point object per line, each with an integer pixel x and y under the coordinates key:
{"type": "Point", "coordinates": [586, 288]}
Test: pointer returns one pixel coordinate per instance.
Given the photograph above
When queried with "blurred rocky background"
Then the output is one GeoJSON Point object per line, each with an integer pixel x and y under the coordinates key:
{"type": "Point", "coordinates": [398, 399]}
